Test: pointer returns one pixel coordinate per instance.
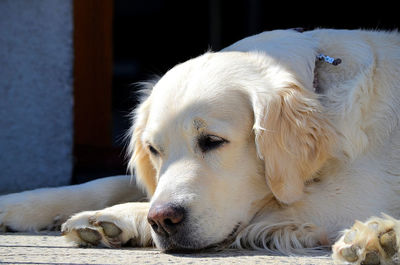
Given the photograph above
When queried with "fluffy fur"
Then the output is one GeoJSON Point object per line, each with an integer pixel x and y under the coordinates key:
{"type": "Point", "coordinates": [310, 147]}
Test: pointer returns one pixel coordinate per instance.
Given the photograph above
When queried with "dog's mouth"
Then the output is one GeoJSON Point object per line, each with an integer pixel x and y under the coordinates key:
{"type": "Point", "coordinates": [181, 247]}
{"type": "Point", "coordinates": [227, 241]}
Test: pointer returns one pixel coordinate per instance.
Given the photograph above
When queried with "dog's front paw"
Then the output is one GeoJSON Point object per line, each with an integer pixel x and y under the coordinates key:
{"type": "Point", "coordinates": [116, 226]}
{"type": "Point", "coordinates": [373, 242]}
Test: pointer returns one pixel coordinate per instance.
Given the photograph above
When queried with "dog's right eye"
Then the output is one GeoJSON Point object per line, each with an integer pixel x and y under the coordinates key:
{"type": "Point", "coordinates": [210, 142]}
{"type": "Point", "coordinates": [153, 150]}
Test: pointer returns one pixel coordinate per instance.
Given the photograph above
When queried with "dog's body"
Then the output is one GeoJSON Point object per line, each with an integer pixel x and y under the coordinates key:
{"type": "Point", "coordinates": [260, 145]}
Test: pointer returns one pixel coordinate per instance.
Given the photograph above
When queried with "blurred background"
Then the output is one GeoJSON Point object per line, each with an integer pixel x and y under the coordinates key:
{"type": "Point", "coordinates": [68, 70]}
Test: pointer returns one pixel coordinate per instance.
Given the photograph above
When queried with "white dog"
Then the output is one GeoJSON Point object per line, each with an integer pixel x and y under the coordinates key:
{"type": "Point", "coordinates": [273, 143]}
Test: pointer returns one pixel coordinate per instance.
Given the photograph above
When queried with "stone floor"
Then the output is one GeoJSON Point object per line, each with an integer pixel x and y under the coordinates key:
{"type": "Point", "coordinates": [50, 248]}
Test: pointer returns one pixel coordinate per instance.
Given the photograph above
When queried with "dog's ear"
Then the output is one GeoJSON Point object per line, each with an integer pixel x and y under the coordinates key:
{"type": "Point", "coordinates": [293, 137]}
{"type": "Point", "coordinates": [139, 158]}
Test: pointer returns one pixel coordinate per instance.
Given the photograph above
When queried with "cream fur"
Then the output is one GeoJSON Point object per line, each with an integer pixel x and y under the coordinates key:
{"type": "Point", "coordinates": [302, 162]}
{"type": "Point", "coordinates": [48, 208]}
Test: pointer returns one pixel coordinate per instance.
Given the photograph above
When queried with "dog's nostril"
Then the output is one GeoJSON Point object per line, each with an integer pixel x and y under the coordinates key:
{"type": "Point", "coordinates": [165, 218]}
{"type": "Point", "coordinates": [153, 225]}
{"type": "Point", "coordinates": [168, 222]}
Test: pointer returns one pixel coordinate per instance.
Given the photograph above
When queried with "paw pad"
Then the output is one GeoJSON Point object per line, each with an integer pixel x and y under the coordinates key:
{"type": "Point", "coordinates": [371, 258]}
{"type": "Point", "coordinates": [89, 235]}
{"type": "Point", "coordinates": [388, 243]}
{"type": "Point", "coordinates": [110, 229]}
{"type": "Point", "coordinates": [349, 253]}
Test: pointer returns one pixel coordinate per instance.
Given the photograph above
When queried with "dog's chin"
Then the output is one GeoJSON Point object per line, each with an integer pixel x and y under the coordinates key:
{"type": "Point", "coordinates": [191, 244]}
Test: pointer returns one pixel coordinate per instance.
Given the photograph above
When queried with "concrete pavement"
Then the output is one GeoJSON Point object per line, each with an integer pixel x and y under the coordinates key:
{"type": "Point", "coordinates": [51, 248]}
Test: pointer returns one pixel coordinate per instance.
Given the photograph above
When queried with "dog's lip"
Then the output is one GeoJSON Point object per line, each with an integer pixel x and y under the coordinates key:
{"type": "Point", "coordinates": [178, 248]}
{"type": "Point", "coordinates": [228, 240]}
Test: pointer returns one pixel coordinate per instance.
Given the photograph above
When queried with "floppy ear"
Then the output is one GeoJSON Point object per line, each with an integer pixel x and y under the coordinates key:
{"type": "Point", "coordinates": [139, 161]}
{"type": "Point", "coordinates": [293, 137]}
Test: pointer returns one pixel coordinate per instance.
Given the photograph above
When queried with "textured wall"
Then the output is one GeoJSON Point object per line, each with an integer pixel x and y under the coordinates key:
{"type": "Point", "coordinates": [36, 86]}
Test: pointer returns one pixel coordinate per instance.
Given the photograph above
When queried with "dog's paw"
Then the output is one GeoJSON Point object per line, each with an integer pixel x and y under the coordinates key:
{"type": "Point", "coordinates": [89, 229]}
{"type": "Point", "coordinates": [376, 241]}
{"type": "Point", "coordinates": [112, 227]}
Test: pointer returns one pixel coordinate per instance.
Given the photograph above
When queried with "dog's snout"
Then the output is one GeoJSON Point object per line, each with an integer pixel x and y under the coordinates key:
{"type": "Point", "coordinates": [165, 218]}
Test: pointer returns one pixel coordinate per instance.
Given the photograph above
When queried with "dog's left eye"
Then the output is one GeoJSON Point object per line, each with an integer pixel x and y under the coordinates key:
{"type": "Point", "coordinates": [153, 150]}
{"type": "Point", "coordinates": [210, 142]}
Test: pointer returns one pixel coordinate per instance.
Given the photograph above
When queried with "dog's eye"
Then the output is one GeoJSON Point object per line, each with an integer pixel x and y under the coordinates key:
{"type": "Point", "coordinates": [153, 150]}
{"type": "Point", "coordinates": [210, 142]}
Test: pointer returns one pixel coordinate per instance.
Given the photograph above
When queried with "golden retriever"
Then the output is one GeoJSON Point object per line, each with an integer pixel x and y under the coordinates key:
{"type": "Point", "coordinates": [278, 142]}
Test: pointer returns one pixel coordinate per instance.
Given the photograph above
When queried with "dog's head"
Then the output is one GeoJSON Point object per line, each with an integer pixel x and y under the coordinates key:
{"type": "Point", "coordinates": [216, 137]}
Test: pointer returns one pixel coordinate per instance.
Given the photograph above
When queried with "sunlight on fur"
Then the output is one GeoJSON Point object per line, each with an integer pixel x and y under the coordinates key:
{"type": "Point", "coordinates": [259, 146]}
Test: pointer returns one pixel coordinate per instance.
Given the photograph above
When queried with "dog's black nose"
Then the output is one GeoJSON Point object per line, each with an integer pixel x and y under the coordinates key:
{"type": "Point", "coordinates": [165, 218]}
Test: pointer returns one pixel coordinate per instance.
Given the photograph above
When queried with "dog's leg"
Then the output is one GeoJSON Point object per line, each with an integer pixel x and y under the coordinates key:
{"type": "Point", "coordinates": [376, 241]}
{"type": "Point", "coordinates": [123, 224]}
{"type": "Point", "coordinates": [48, 208]}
